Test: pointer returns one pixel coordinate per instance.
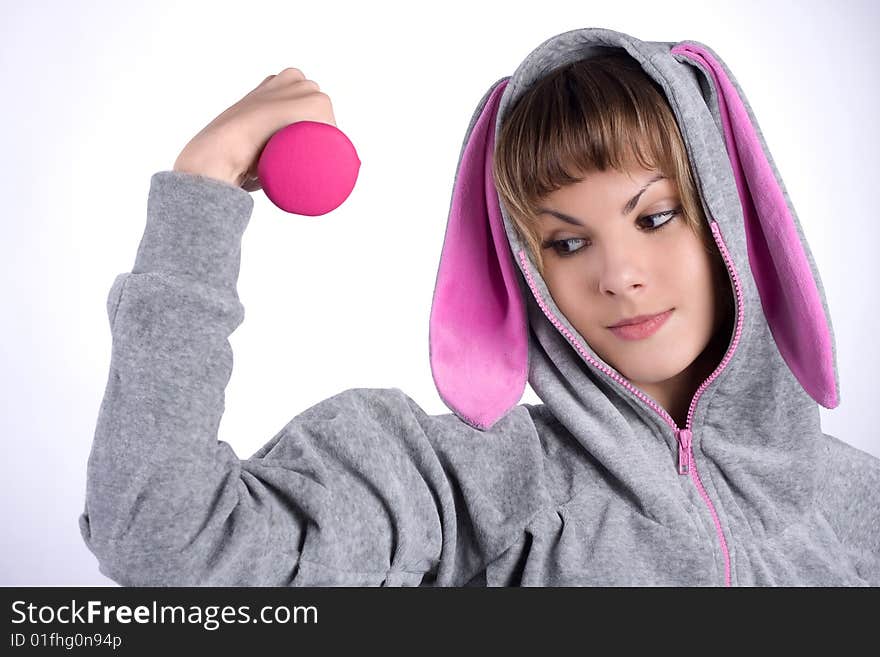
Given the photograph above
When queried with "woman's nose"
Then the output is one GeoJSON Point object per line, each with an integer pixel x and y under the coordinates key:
{"type": "Point", "coordinates": [622, 271]}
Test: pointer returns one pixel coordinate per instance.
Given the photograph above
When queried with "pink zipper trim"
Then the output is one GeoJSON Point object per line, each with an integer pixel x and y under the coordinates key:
{"type": "Point", "coordinates": [689, 447]}
{"type": "Point", "coordinates": [686, 461]}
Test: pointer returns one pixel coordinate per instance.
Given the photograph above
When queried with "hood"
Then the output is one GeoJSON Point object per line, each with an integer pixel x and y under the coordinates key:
{"type": "Point", "coordinates": [488, 292]}
{"type": "Point", "coordinates": [494, 324]}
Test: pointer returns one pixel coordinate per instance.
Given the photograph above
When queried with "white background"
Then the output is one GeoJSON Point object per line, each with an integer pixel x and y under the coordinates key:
{"type": "Point", "coordinates": [98, 96]}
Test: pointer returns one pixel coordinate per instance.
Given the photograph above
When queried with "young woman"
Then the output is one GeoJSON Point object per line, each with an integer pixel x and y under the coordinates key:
{"type": "Point", "coordinates": [619, 238]}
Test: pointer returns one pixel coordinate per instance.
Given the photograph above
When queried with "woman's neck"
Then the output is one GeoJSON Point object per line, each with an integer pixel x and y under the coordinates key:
{"type": "Point", "coordinates": [675, 394]}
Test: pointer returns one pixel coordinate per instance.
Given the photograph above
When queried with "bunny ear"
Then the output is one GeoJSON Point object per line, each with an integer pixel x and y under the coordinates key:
{"type": "Point", "coordinates": [478, 327]}
{"type": "Point", "coordinates": [786, 279]}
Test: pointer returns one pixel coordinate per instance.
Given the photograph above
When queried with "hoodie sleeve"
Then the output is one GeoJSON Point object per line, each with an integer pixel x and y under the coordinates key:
{"type": "Point", "coordinates": [353, 491]}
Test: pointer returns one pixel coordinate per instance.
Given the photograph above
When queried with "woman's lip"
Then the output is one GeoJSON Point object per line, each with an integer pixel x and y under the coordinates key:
{"type": "Point", "coordinates": [642, 330]}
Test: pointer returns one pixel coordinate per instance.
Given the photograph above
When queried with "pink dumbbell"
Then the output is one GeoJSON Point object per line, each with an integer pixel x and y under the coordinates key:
{"type": "Point", "coordinates": [308, 168]}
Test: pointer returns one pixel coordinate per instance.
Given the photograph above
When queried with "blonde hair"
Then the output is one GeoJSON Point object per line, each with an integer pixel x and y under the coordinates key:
{"type": "Point", "coordinates": [589, 115]}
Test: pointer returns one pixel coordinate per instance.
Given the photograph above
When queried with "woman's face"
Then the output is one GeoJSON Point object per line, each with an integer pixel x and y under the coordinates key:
{"type": "Point", "coordinates": [617, 269]}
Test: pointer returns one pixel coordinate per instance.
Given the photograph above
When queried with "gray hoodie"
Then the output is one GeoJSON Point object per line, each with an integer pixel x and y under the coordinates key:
{"type": "Point", "coordinates": [597, 485]}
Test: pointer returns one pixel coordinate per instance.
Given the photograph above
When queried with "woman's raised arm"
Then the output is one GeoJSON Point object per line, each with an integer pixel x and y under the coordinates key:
{"type": "Point", "coordinates": [361, 489]}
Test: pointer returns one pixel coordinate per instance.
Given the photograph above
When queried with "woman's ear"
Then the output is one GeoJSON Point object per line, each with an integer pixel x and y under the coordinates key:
{"type": "Point", "coordinates": [785, 274]}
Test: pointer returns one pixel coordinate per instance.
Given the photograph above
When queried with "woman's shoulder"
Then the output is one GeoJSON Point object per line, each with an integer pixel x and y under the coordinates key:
{"type": "Point", "coordinates": [848, 495]}
{"type": "Point", "coordinates": [379, 417]}
{"type": "Point", "coordinates": [849, 459]}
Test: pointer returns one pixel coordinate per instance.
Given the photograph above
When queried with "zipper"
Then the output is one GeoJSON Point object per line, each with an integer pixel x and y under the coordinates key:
{"type": "Point", "coordinates": [684, 436]}
{"type": "Point", "coordinates": [684, 450]}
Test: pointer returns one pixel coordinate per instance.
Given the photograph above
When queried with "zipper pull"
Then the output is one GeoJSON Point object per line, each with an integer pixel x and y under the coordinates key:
{"type": "Point", "coordinates": [684, 450]}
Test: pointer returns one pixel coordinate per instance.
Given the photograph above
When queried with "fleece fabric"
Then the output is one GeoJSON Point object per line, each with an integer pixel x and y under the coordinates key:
{"type": "Point", "coordinates": [597, 485]}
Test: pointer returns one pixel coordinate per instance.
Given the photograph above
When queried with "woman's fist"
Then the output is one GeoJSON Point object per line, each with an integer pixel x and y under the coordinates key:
{"type": "Point", "coordinates": [229, 147]}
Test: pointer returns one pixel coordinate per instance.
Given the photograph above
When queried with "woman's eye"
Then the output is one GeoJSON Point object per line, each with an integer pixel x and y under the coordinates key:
{"type": "Point", "coordinates": [560, 246]}
{"type": "Point", "coordinates": [660, 215]}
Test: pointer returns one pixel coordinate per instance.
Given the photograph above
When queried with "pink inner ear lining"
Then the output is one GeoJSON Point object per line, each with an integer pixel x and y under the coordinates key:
{"type": "Point", "coordinates": [478, 328]}
{"type": "Point", "coordinates": [782, 272]}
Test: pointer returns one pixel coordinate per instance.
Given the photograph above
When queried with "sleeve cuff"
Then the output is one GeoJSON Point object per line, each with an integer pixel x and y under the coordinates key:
{"type": "Point", "coordinates": [194, 228]}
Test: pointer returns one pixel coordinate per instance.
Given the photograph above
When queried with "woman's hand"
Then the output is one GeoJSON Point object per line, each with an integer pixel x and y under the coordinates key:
{"type": "Point", "coordinates": [229, 147]}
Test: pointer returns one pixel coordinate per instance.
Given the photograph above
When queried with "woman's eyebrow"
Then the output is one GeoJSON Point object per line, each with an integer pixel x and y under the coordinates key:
{"type": "Point", "coordinates": [630, 204]}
